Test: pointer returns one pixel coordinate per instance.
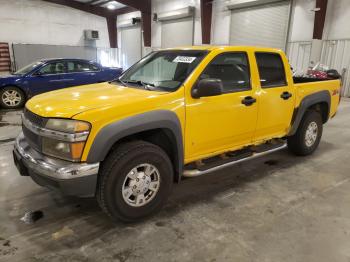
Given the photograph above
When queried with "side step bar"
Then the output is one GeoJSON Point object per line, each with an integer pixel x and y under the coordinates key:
{"type": "Point", "coordinates": [196, 172]}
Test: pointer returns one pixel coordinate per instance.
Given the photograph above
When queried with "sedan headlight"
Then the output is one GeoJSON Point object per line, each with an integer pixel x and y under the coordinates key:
{"type": "Point", "coordinates": [69, 140]}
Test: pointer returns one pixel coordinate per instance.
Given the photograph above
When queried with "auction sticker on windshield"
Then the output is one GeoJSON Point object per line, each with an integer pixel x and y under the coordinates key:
{"type": "Point", "coordinates": [184, 59]}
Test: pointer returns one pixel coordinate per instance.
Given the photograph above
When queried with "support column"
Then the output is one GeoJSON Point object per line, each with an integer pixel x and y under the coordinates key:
{"type": "Point", "coordinates": [316, 46]}
{"type": "Point", "coordinates": [206, 14]}
{"type": "Point", "coordinates": [146, 19]}
{"type": "Point", "coordinates": [112, 31]}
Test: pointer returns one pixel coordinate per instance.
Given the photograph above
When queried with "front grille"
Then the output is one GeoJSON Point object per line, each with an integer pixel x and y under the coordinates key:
{"type": "Point", "coordinates": [35, 119]}
{"type": "Point", "coordinates": [33, 139]}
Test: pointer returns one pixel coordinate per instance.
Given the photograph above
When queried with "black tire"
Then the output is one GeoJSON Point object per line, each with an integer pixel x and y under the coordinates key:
{"type": "Point", "coordinates": [18, 93]}
{"type": "Point", "coordinates": [114, 172]}
{"type": "Point", "coordinates": [298, 143]}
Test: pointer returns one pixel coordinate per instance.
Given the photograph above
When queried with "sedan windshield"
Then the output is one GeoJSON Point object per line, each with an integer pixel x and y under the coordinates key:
{"type": "Point", "coordinates": [163, 70]}
{"type": "Point", "coordinates": [27, 68]}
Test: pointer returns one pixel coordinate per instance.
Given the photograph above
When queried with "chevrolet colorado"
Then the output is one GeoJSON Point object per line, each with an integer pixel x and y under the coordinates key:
{"type": "Point", "coordinates": [176, 113]}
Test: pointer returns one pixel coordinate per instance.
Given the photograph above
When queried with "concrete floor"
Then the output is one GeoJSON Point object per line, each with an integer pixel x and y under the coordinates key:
{"type": "Point", "coordinates": [276, 208]}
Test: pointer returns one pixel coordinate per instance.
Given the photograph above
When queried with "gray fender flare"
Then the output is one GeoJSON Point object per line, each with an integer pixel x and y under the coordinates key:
{"type": "Point", "coordinates": [115, 131]}
{"type": "Point", "coordinates": [310, 100]}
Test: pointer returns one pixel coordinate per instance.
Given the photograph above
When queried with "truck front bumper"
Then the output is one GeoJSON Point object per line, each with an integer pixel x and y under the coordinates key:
{"type": "Point", "coordinates": [78, 179]}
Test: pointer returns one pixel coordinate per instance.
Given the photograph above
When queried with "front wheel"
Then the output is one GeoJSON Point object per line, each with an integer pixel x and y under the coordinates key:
{"type": "Point", "coordinates": [135, 181]}
{"type": "Point", "coordinates": [306, 139]}
{"type": "Point", "coordinates": [12, 97]}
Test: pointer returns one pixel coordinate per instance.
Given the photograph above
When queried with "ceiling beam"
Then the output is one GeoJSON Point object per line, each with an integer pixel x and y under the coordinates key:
{"type": "Point", "coordinates": [142, 5]}
{"type": "Point", "coordinates": [320, 17]}
{"type": "Point", "coordinates": [96, 10]}
{"type": "Point", "coordinates": [124, 10]}
{"type": "Point", "coordinates": [104, 2]}
{"type": "Point", "coordinates": [206, 14]}
{"type": "Point", "coordinates": [92, 2]}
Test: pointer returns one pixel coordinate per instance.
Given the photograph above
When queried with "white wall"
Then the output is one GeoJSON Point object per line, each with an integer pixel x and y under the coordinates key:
{"type": "Point", "coordinates": [220, 29]}
{"type": "Point", "coordinates": [38, 22]}
{"type": "Point", "coordinates": [302, 20]}
{"type": "Point", "coordinates": [337, 24]}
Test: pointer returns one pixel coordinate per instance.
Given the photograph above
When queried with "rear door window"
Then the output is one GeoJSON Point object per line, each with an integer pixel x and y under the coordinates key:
{"type": "Point", "coordinates": [271, 70]}
{"type": "Point", "coordinates": [79, 66]}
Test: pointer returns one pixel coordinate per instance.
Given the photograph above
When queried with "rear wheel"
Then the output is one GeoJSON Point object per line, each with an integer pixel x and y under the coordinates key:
{"type": "Point", "coordinates": [11, 97]}
{"type": "Point", "coordinates": [135, 181]}
{"type": "Point", "coordinates": [308, 136]}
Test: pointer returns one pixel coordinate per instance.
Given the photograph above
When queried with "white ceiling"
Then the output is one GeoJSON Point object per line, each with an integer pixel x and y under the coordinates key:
{"type": "Point", "coordinates": [110, 5]}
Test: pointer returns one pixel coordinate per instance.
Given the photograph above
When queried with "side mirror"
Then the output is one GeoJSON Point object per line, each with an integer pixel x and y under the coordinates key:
{"type": "Point", "coordinates": [38, 73]}
{"type": "Point", "coordinates": [207, 87]}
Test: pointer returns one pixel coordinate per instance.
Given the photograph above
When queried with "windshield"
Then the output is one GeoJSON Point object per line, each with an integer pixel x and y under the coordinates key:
{"type": "Point", "coordinates": [163, 70]}
{"type": "Point", "coordinates": [28, 68]}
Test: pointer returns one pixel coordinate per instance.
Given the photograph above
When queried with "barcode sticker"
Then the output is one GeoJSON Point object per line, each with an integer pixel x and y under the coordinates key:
{"type": "Point", "coordinates": [184, 59]}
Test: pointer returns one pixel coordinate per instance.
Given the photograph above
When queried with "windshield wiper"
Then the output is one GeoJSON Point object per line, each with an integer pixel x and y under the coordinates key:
{"type": "Point", "coordinates": [118, 80]}
{"type": "Point", "coordinates": [140, 82]}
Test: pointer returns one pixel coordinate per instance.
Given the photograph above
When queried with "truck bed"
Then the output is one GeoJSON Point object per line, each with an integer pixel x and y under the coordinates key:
{"type": "Point", "coordinates": [307, 86]}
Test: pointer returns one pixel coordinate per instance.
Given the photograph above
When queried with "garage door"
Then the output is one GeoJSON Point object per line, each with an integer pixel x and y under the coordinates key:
{"type": "Point", "coordinates": [263, 25]}
{"type": "Point", "coordinates": [177, 32]}
{"type": "Point", "coordinates": [130, 45]}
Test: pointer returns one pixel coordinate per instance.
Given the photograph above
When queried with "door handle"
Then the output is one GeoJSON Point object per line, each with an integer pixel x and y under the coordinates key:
{"type": "Point", "coordinates": [286, 95]}
{"type": "Point", "coordinates": [248, 100]}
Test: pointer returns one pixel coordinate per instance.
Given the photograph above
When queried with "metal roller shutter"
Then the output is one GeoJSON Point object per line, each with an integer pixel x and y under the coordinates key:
{"type": "Point", "coordinates": [130, 45]}
{"type": "Point", "coordinates": [262, 25]}
{"type": "Point", "coordinates": [177, 32]}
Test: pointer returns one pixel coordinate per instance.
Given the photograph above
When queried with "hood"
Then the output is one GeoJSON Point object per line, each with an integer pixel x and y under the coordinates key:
{"type": "Point", "coordinates": [68, 102]}
{"type": "Point", "coordinates": [2, 77]}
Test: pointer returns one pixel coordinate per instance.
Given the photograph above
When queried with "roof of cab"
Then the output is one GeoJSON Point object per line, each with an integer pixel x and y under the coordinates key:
{"type": "Point", "coordinates": [225, 47]}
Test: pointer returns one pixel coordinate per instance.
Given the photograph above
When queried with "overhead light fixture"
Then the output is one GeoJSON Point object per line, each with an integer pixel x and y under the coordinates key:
{"type": "Point", "coordinates": [111, 6]}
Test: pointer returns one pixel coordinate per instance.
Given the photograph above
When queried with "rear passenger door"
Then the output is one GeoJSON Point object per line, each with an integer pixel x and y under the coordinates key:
{"type": "Point", "coordinates": [276, 99]}
{"type": "Point", "coordinates": [81, 73]}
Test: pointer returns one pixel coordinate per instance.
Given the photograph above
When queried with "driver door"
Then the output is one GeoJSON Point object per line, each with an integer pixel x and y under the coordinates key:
{"type": "Point", "coordinates": [224, 122]}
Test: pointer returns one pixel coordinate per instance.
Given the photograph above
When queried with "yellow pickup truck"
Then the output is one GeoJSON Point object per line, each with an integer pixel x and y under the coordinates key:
{"type": "Point", "coordinates": [176, 113]}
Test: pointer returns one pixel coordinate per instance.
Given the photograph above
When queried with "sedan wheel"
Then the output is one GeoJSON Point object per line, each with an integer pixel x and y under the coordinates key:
{"type": "Point", "coordinates": [12, 97]}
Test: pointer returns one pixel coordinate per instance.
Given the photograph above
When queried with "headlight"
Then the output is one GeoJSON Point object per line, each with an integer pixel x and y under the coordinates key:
{"type": "Point", "coordinates": [69, 143]}
{"type": "Point", "coordinates": [61, 149]}
{"type": "Point", "coordinates": [67, 125]}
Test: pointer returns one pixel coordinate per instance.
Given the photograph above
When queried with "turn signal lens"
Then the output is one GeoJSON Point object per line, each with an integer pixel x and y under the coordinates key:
{"type": "Point", "coordinates": [77, 150]}
{"type": "Point", "coordinates": [63, 150]}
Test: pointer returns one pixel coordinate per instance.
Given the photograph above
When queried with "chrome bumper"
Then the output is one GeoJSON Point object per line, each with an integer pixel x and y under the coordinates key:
{"type": "Point", "coordinates": [72, 178]}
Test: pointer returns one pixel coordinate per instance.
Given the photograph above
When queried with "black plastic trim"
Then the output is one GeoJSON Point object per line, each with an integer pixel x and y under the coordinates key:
{"type": "Point", "coordinates": [307, 102]}
{"type": "Point", "coordinates": [158, 119]}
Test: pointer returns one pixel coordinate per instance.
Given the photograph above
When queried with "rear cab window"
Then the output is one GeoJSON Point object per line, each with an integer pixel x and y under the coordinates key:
{"type": "Point", "coordinates": [271, 70]}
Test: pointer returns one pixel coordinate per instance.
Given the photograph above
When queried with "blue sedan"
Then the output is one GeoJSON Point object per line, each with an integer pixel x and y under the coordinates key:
{"type": "Point", "coordinates": [48, 75]}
